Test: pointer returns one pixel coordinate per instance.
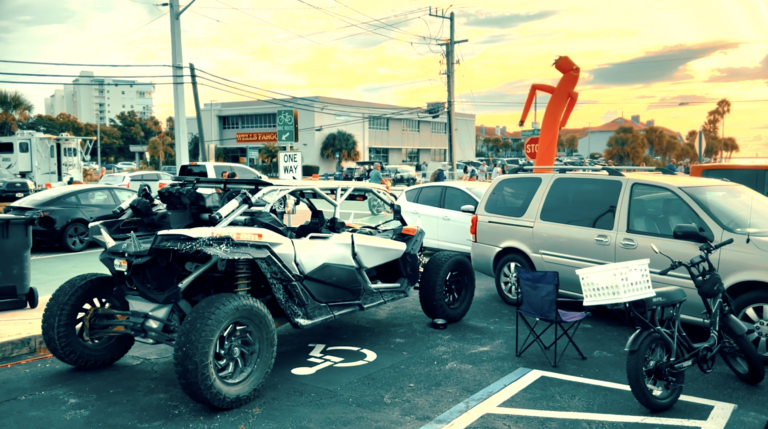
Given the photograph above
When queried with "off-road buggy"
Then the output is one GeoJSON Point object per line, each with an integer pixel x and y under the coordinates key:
{"type": "Point", "coordinates": [208, 267]}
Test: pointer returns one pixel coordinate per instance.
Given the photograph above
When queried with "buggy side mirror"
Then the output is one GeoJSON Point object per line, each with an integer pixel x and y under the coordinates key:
{"type": "Point", "coordinates": [397, 213]}
{"type": "Point", "coordinates": [469, 208]}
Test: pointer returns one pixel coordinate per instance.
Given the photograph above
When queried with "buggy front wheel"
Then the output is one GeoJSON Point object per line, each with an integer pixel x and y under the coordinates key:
{"type": "Point", "coordinates": [225, 350]}
{"type": "Point", "coordinates": [447, 286]}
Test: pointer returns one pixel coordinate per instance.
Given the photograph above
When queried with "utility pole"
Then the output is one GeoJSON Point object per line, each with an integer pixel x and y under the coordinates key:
{"type": "Point", "coordinates": [98, 143]}
{"type": "Point", "coordinates": [177, 62]}
{"type": "Point", "coordinates": [200, 135]}
{"type": "Point", "coordinates": [450, 76]}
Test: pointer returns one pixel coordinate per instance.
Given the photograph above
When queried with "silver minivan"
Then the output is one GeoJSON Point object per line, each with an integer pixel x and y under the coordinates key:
{"type": "Point", "coordinates": [564, 222]}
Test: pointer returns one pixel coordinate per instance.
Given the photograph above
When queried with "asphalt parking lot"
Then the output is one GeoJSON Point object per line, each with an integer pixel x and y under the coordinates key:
{"type": "Point", "coordinates": [411, 376]}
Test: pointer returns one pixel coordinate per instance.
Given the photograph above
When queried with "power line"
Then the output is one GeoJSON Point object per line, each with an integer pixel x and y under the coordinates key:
{"type": "Point", "coordinates": [83, 65]}
{"type": "Point", "coordinates": [341, 18]}
{"type": "Point", "coordinates": [76, 76]}
{"type": "Point", "coordinates": [90, 84]}
{"type": "Point", "coordinates": [267, 22]}
{"type": "Point", "coordinates": [350, 25]}
{"type": "Point", "coordinates": [370, 17]}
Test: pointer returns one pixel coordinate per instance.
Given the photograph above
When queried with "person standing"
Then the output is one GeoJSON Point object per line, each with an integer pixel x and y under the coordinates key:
{"type": "Point", "coordinates": [503, 169]}
{"type": "Point", "coordinates": [483, 176]}
{"type": "Point", "coordinates": [671, 166]}
{"type": "Point", "coordinates": [101, 173]}
{"type": "Point", "coordinates": [375, 176]}
{"type": "Point", "coordinates": [496, 171]}
{"type": "Point", "coordinates": [424, 167]}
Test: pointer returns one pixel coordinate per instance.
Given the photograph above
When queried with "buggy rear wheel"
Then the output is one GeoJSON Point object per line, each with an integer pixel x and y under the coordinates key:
{"type": "Point", "coordinates": [447, 286]}
{"type": "Point", "coordinates": [65, 322]}
{"type": "Point", "coordinates": [225, 350]}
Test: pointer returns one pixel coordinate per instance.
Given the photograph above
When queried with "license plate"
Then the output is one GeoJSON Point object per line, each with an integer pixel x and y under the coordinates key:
{"type": "Point", "coordinates": [121, 265]}
{"type": "Point", "coordinates": [19, 195]}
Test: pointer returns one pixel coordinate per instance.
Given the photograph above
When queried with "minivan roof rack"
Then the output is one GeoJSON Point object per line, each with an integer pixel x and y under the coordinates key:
{"type": "Point", "coordinates": [612, 171]}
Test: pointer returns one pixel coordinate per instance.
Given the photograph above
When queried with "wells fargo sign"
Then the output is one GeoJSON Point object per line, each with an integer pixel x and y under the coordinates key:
{"type": "Point", "coordinates": [270, 137]}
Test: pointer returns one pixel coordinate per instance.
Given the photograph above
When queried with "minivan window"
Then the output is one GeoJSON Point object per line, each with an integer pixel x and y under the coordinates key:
{"type": "Point", "coordinates": [657, 211]}
{"type": "Point", "coordinates": [753, 179]}
{"type": "Point", "coordinates": [589, 203]}
{"type": "Point", "coordinates": [430, 196]}
{"type": "Point", "coordinates": [511, 197]}
{"type": "Point", "coordinates": [456, 198]}
{"type": "Point", "coordinates": [6, 148]}
{"type": "Point", "coordinates": [410, 196]}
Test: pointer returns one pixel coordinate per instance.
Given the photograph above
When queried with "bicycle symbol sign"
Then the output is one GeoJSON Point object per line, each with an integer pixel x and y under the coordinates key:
{"type": "Point", "coordinates": [286, 125]}
{"type": "Point", "coordinates": [324, 361]}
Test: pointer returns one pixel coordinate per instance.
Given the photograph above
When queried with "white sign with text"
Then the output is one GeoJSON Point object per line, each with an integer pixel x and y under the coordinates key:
{"type": "Point", "coordinates": [290, 165]}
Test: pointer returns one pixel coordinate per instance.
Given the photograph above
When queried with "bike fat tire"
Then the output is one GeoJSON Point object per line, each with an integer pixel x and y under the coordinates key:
{"type": "Point", "coordinates": [433, 286]}
{"type": "Point", "coordinates": [196, 342]}
{"type": "Point", "coordinates": [754, 372]}
{"type": "Point", "coordinates": [60, 321]}
{"type": "Point", "coordinates": [636, 361]}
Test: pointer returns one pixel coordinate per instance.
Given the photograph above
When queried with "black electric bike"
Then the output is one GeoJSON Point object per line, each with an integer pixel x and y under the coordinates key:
{"type": "Point", "coordinates": [660, 352]}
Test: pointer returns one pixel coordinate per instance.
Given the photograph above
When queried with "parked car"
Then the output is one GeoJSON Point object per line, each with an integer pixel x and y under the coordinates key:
{"type": "Point", "coordinates": [134, 179]}
{"type": "Point", "coordinates": [753, 176]}
{"type": "Point", "coordinates": [565, 222]}
{"type": "Point", "coordinates": [216, 169]}
{"type": "Point", "coordinates": [354, 173]}
{"type": "Point", "coordinates": [12, 188]}
{"type": "Point", "coordinates": [170, 169]}
{"type": "Point", "coordinates": [67, 211]}
{"type": "Point", "coordinates": [436, 207]}
{"type": "Point", "coordinates": [401, 174]}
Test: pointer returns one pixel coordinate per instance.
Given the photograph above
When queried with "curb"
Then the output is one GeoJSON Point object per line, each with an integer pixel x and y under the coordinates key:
{"type": "Point", "coordinates": [32, 344]}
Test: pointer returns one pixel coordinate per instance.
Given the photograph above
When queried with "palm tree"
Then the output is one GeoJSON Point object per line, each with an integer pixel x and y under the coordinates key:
{"type": "Point", "coordinates": [16, 104]}
{"type": "Point", "coordinates": [159, 146]}
{"type": "Point", "coordinates": [571, 143]}
{"type": "Point", "coordinates": [626, 147]}
{"type": "Point", "coordinates": [723, 108]}
{"type": "Point", "coordinates": [341, 142]}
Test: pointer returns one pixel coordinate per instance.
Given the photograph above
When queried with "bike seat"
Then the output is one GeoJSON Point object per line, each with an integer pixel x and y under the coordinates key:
{"type": "Point", "coordinates": [666, 296]}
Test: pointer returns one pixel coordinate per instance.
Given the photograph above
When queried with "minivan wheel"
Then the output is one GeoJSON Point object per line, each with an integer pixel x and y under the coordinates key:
{"type": "Point", "coordinates": [506, 281]}
{"type": "Point", "coordinates": [752, 310]}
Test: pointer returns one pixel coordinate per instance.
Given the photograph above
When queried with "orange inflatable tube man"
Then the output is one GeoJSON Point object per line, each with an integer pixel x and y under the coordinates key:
{"type": "Point", "coordinates": [559, 108]}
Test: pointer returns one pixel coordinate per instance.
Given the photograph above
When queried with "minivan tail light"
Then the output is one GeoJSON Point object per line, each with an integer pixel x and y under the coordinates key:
{"type": "Point", "coordinates": [473, 229]}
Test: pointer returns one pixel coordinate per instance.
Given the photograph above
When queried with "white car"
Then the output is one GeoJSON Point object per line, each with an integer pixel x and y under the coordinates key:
{"type": "Point", "coordinates": [134, 179]}
{"type": "Point", "coordinates": [213, 170]}
{"type": "Point", "coordinates": [436, 208]}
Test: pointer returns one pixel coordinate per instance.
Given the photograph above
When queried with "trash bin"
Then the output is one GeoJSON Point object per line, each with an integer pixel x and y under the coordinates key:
{"type": "Point", "coordinates": [15, 247]}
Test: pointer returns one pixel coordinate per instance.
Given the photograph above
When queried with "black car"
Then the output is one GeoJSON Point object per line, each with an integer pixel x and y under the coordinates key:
{"type": "Point", "coordinates": [67, 211]}
{"type": "Point", "coordinates": [400, 174]}
{"type": "Point", "coordinates": [12, 188]}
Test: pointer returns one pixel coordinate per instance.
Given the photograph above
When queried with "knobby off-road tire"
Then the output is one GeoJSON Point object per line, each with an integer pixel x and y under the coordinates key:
{"type": "Point", "coordinates": [63, 319]}
{"type": "Point", "coordinates": [447, 286]}
{"type": "Point", "coordinates": [744, 360]}
{"type": "Point", "coordinates": [638, 361]}
{"type": "Point", "coordinates": [202, 337]}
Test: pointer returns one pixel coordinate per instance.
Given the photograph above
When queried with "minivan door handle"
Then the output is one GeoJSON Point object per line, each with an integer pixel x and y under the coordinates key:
{"type": "Point", "coordinates": [628, 243]}
{"type": "Point", "coordinates": [603, 240]}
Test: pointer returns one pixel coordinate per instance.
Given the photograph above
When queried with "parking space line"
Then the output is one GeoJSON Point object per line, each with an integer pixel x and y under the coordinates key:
{"type": "Point", "coordinates": [479, 397]}
{"type": "Point", "coordinates": [488, 401]}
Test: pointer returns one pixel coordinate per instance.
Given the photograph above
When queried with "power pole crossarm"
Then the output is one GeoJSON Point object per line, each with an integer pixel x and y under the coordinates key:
{"type": "Point", "coordinates": [178, 15]}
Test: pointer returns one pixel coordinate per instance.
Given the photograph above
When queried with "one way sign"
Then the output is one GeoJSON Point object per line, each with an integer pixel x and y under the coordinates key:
{"type": "Point", "coordinates": [290, 165]}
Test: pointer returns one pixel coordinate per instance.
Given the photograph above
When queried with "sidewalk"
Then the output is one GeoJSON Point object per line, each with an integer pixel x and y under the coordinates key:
{"type": "Point", "coordinates": [20, 331]}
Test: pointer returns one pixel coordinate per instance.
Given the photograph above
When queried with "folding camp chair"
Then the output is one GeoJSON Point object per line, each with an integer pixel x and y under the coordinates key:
{"type": "Point", "coordinates": [537, 299]}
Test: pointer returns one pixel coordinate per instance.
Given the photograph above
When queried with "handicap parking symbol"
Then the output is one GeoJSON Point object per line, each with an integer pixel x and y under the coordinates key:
{"type": "Point", "coordinates": [327, 360]}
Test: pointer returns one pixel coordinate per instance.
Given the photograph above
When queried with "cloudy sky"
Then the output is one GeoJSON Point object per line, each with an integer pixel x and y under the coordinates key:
{"type": "Point", "coordinates": [637, 58]}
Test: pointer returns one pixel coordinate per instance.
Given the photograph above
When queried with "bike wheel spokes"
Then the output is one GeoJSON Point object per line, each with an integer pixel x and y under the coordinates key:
{"type": "Point", "coordinates": [656, 355]}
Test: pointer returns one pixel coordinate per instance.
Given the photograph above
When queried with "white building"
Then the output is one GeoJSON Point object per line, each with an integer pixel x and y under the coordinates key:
{"type": "Point", "coordinates": [386, 133]}
{"type": "Point", "coordinates": [92, 99]}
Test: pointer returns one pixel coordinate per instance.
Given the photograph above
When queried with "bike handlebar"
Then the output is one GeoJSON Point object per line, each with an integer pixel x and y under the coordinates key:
{"type": "Point", "coordinates": [722, 243]}
{"type": "Point", "coordinates": [665, 271]}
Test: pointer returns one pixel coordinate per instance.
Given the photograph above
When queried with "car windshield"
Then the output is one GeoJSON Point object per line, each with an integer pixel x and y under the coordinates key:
{"type": "Point", "coordinates": [5, 174]}
{"type": "Point", "coordinates": [112, 179]}
{"type": "Point", "coordinates": [735, 208]}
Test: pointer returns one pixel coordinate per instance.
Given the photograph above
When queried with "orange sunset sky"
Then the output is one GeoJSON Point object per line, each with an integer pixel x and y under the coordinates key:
{"type": "Point", "coordinates": [636, 57]}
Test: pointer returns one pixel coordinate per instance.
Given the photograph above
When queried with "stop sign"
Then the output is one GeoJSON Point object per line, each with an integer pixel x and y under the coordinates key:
{"type": "Point", "coordinates": [532, 147]}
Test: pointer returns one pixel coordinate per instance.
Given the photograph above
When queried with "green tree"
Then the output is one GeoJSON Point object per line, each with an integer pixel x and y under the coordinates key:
{"type": "Point", "coordinates": [711, 128]}
{"type": "Point", "coordinates": [671, 147]}
{"type": "Point", "coordinates": [571, 144]}
{"type": "Point", "coordinates": [158, 147]}
{"type": "Point", "coordinates": [340, 142]}
{"type": "Point", "coordinates": [135, 130]}
{"type": "Point", "coordinates": [730, 146]}
{"type": "Point", "coordinates": [495, 145]}
{"type": "Point", "coordinates": [723, 108]}
{"type": "Point", "coordinates": [16, 104]}
{"type": "Point", "coordinates": [8, 125]}
{"type": "Point", "coordinates": [687, 151]}
{"type": "Point", "coordinates": [657, 140]}
{"type": "Point", "coordinates": [560, 143]}
{"type": "Point", "coordinates": [626, 147]}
